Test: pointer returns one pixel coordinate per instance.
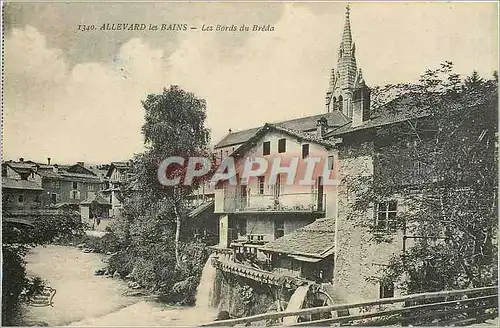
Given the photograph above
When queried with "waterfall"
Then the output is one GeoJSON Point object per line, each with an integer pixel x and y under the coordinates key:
{"type": "Point", "coordinates": [295, 303]}
{"type": "Point", "coordinates": [204, 292]}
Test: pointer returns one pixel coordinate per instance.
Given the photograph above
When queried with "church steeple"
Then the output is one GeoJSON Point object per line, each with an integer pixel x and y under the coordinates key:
{"type": "Point", "coordinates": [346, 35]}
{"type": "Point", "coordinates": [346, 78]}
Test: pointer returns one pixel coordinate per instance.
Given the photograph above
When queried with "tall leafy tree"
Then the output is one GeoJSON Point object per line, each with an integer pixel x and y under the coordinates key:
{"type": "Point", "coordinates": [443, 160]}
{"type": "Point", "coordinates": [174, 126]}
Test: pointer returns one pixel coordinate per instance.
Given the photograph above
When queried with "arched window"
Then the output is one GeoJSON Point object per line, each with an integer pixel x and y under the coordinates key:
{"type": "Point", "coordinates": [341, 103]}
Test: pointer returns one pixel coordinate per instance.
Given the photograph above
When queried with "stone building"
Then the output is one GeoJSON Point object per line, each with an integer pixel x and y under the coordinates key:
{"type": "Point", "coordinates": [59, 187]}
{"type": "Point", "coordinates": [117, 175]}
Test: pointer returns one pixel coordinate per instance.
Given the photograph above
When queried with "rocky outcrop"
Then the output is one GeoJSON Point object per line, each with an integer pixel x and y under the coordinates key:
{"type": "Point", "coordinates": [182, 292]}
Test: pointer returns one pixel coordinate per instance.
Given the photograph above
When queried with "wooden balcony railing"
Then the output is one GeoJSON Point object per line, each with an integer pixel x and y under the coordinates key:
{"type": "Point", "coordinates": [291, 202]}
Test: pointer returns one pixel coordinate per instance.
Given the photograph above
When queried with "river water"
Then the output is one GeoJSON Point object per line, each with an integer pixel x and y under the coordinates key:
{"type": "Point", "coordinates": [83, 299]}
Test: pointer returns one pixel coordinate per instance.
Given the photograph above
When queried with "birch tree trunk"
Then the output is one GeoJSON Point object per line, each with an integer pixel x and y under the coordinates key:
{"type": "Point", "coordinates": [177, 237]}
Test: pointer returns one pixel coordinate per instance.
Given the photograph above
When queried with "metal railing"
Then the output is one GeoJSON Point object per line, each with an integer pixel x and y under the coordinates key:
{"type": "Point", "coordinates": [453, 307]}
{"type": "Point", "coordinates": [289, 202]}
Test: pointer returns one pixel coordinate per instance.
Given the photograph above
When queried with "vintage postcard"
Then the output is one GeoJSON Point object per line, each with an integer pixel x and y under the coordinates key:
{"type": "Point", "coordinates": [258, 163]}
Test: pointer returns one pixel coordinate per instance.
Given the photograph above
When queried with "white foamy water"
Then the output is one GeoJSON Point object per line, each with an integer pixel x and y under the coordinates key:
{"type": "Point", "coordinates": [83, 299]}
{"type": "Point", "coordinates": [205, 290]}
{"type": "Point", "coordinates": [295, 303]}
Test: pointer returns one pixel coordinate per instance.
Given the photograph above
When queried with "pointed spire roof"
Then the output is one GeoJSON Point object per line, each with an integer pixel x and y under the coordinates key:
{"type": "Point", "coordinates": [346, 35]}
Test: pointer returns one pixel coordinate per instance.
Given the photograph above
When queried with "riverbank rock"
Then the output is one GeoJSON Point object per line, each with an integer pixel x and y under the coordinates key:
{"type": "Point", "coordinates": [99, 272]}
{"type": "Point", "coordinates": [134, 285]}
{"type": "Point", "coordinates": [183, 292]}
{"type": "Point", "coordinates": [136, 293]}
{"type": "Point", "coordinates": [117, 275]}
{"type": "Point", "coordinates": [223, 315]}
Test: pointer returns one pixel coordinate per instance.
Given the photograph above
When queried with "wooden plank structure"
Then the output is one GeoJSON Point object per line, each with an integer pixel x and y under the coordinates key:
{"type": "Point", "coordinates": [452, 307]}
{"type": "Point", "coordinates": [246, 271]}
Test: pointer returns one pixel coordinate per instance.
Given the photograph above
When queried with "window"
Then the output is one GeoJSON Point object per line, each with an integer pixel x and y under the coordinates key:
{"type": "Point", "coordinates": [330, 163]}
{"type": "Point", "coordinates": [305, 151]}
{"type": "Point", "coordinates": [261, 185]}
{"type": "Point", "coordinates": [37, 198]}
{"type": "Point", "coordinates": [53, 198]}
{"type": "Point", "coordinates": [266, 148]}
{"type": "Point", "coordinates": [20, 199]}
{"type": "Point", "coordinates": [75, 185]}
{"type": "Point", "coordinates": [385, 216]}
{"type": "Point", "coordinates": [279, 228]}
{"type": "Point", "coordinates": [386, 290]}
{"type": "Point", "coordinates": [90, 187]}
{"type": "Point", "coordinates": [242, 227]}
{"type": "Point", "coordinates": [57, 185]}
{"type": "Point", "coordinates": [282, 145]}
{"type": "Point", "coordinates": [74, 194]}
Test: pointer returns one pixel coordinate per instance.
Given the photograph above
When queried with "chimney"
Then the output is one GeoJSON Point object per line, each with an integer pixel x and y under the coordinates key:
{"type": "Point", "coordinates": [48, 160]}
{"type": "Point", "coordinates": [321, 126]}
{"type": "Point", "coordinates": [21, 159]}
{"type": "Point", "coordinates": [80, 163]}
{"type": "Point", "coordinates": [230, 131]}
{"type": "Point", "coordinates": [361, 106]}
{"type": "Point", "coordinates": [56, 168]}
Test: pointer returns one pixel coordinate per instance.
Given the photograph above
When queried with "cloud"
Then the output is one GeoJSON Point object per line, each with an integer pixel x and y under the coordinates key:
{"type": "Point", "coordinates": [90, 109]}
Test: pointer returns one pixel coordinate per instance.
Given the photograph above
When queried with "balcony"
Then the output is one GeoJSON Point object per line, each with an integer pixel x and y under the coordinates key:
{"type": "Point", "coordinates": [285, 203]}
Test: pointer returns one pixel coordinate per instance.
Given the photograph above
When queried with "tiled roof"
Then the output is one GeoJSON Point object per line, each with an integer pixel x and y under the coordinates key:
{"type": "Point", "coordinates": [50, 174]}
{"type": "Point", "coordinates": [378, 121]}
{"type": "Point", "coordinates": [80, 177]}
{"type": "Point", "coordinates": [21, 167]}
{"type": "Point", "coordinates": [303, 136]}
{"type": "Point", "coordinates": [316, 240]}
{"type": "Point", "coordinates": [67, 176]}
{"type": "Point", "coordinates": [96, 198]}
{"type": "Point", "coordinates": [334, 119]}
{"type": "Point", "coordinates": [208, 205]}
{"type": "Point", "coordinates": [405, 107]}
{"type": "Point", "coordinates": [307, 136]}
{"type": "Point", "coordinates": [9, 183]}
{"type": "Point", "coordinates": [120, 165]}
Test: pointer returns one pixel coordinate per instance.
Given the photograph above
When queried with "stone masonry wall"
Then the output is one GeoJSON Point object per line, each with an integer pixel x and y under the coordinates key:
{"type": "Point", "coordinates": [358, 257]}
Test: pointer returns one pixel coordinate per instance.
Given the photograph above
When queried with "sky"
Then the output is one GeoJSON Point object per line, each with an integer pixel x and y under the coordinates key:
{"type": "Point", "coordinates": [76, 95]}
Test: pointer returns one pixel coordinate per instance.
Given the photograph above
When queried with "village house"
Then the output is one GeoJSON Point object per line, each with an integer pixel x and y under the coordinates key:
{"type": "Point", "coordinates": [20, 194]}
{"type": "Point", "coordinates": [117, 175]}
{"type": "Point", "coordinates": [69, 184]}
{"type": "Point", "coordinates": [259, 211]}
{"type": "Point", "coordinates": [62, 187]}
